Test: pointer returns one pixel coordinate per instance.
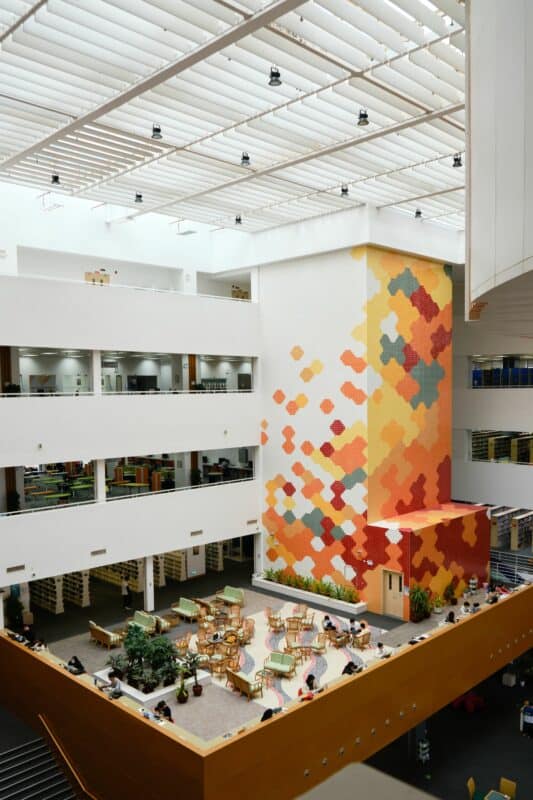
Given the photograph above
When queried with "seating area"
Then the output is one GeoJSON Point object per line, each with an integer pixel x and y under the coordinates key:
{"type": "Point", "coordinates": [230, 595]}
{"type": "Point", "coordinates": [104, 637]}
{"type": "Point", "coordinates": [186, 609]}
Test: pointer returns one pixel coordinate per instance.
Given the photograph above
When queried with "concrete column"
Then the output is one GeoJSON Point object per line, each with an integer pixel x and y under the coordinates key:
{"type": "Point", "coordinates": [96, 371]}
{"type": "Point", "coordinates": [189, 281]}
{"type": "Point", "coordinates": [254, 284]}
{"type": "Point", "coordinates": [149, 598]}
{"type": "Point", "coordinates": [99, 480]}
{"type": "Point", "coordinates": [259, 553]}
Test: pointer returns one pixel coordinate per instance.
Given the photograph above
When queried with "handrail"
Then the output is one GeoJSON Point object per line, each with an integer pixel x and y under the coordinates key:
{"type": "Point", "coordinates": [124, 497]}
{"type": "Point", "coordinates": [111, 393]}
{"type": "Point", "coordinates": [110, 285]}
{"type": "Point", "coordinates": [71, 769]}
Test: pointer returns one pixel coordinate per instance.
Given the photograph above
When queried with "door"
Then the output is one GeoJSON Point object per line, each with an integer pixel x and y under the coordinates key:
{"type": "Point", "coordinates": [392, 593]}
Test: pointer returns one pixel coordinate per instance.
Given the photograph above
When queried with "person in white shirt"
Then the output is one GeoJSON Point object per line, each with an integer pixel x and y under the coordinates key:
{"type": "Point", "coordinates": [382, 651]}
{"type": "Point", "coordinates": [465, 608]}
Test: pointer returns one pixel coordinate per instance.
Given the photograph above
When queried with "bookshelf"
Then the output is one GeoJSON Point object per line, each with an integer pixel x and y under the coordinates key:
{"type": "Point", "coordinates": [499, 447]}
{"type": "Point", "coordinates": [176, 565]}
{"type": "Point", "coordinates": [113, 573]}
{"type": "Point", "coordinates": [500, 527]}
{"type": "Point", "coordinates": [214, 556]}
{"type": "Point", "coordinates": [521, 531]}
{"type": "Point", "coordinates": [480, 447]}
{"type": "Point", "coordinates": [47, 593]}
{"type": "Point", "coordinates": [159, 571]}
{"type": "Point", "coordinates": [214, 384]}
{"type": "Point", "coordinates": [76, 588]}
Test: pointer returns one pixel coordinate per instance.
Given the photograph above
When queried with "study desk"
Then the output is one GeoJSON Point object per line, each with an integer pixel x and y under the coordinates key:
{"type": "Point", "coordinates": [38, 494]}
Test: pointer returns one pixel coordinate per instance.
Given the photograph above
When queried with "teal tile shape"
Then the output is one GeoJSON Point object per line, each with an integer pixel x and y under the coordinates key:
{"type": "Point", "coordinates": [392, 349]}
{"type": "Point", "coordinates": [355, 477]}
{"type": "Point", "coordinates": [405, 282]}
{"type": "Point", "coordinates": [427, 378]}
{"type": "Point", "coordinates": [312, 521]}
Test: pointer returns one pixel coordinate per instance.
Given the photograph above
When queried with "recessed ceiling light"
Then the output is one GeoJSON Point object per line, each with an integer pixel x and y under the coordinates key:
{"type": "Point", "coordinates": [418, 214]}
{"type": "Point", "coordinates": [245, 160]}
{"type": "Point", "coordinates": [275, 77]}
{"type": "Point", "coordinates": [238, 220]}
{"type": "Point", "coordinates": [363, 117]}
{"type": "Point", "coordinates": [55, 179]}
{"type": "Point", "coordinates": [156, 131]}
{"type": "Point", "coordinates": [344, 190]}
{"type": "Point", "coordinates": [138, 197]}
{"type": "Point", "coordinates": [457, 160]}
{"type": "Point", "coordinates": [49, 353]}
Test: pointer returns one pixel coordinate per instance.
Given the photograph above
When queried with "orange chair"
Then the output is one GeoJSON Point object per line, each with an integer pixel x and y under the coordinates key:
{"type": "Point", "coordinates": [472, 793]}
{"type": "Point", "coordinates": [508, 787]}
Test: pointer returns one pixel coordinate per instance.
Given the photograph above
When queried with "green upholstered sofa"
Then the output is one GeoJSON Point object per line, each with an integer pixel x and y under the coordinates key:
{"type": "Point", "coordinates": [187, 609]}
{"type": "Point", "coordinates": [143, 620]}
{"type": "Point", "coordinates": [281, 663]}
{"type": "Point", "coordinates": [231, 595]}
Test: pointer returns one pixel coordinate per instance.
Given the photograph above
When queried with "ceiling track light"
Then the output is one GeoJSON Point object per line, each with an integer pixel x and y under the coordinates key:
{"type": "Point", "coordinates": [275, 77]}
{"type": "Point", "coordinates": [55, 179]}
{"type": "Point", "coordinates": [245, 160]}
{"type": "Point", "coordinates": [138, 197]}
{"type": "Point", "coordinates": [418, 214]}
{"type": "Point", "coordinates": [238, 220]}
{"type": "Point", "coordinates": [344, 190]}
{"type": "Point", "coordinates": [156, 131]}
{"type": "Point", "coordinates": [363, 117]}
{"type": "Point", "coordinates": [457, 160]}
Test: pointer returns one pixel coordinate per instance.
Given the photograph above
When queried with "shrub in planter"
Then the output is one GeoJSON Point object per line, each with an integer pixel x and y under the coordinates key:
{"type": "Point", "coordinates": [182, 695]}
{"type": "Point", "coordinates": [160, 651]}
{"type": "Point", "coordinates": [438, 604]}
{"type": "Point", "coordinates": [419, 603]}
{"type": "Point", "coordinates": [149, 680]}
{"type": "Point", "coordinates": [136, 645]}
{"type": "Point", "coordinates": [192, 661]}
{"type": "Point", "coordinates": [168, 673]}
{"type": "Point", "coordinates": [118, 663]}
{"type": "Point", "coordinates": [449, 593]}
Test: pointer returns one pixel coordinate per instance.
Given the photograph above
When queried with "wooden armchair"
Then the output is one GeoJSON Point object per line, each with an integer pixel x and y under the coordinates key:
{"type": "Point", "coordinates": [276, 624]}
{"type": "Point", "coordinates": [362, 640]}
{"type": "Point", "coordinates": [182, 645]}
{"type": "Point", "coordinates": [318, 646]}
{"type": "Point", "coordinates": [294, 623]}
{"type": "Point", "coordinates": [308, 622]}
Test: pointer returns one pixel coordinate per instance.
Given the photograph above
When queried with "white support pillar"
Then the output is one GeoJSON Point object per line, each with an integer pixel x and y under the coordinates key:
{"type": "Point", "coordinates": [189, 281]}
{"type": "Point", "coordinates": [259, 554]}
{"type": "Point", "coordinates": [96, 371]}
{"type": "Point", "coordinates": [254, 284]}
{"type": "Point", "coordinates": [149, 597]}
{"type": "Point", "coordinates": [99, 480]}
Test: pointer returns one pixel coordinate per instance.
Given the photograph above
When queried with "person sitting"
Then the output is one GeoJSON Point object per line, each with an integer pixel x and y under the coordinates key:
{"type": "Point", "coordinates": [327, 624]}
{"type": "Point", "coordinates": [39, 646]}
{"type": "Point", "coordinates": [492, 597]}
{"type": "Point", "coordinates": [350, 668]}
{"type": "Point", "coordinates": [162, 711]}
{"type": "Point", "coordinates": [29, 633]}
{"type": "Point", "coordinates": [475, 608]}
{"type": "Point", "coordinates": [112, 687]}
{"type": "Point", "coordinates": [465, 608]}
{"type": "Point", "coordinates": [382, 651]}
{"type": "Point", "coordinates": [74, 666]}
{"type": "Point", "coordinates": [268, 713]}
{"type": "Point", "coordinates": [355, 627]}
{"type": "Point", "coordinates": [451, 617]}
{"type": "Point", "coordinates": [310, 688]}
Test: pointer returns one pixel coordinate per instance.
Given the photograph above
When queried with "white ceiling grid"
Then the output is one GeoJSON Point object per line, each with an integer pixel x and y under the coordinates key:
{"type": "Point", "coordinates": [82, 82]}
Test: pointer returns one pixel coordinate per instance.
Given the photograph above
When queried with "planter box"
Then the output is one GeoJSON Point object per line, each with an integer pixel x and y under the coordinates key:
{"type": "Point", "coordinates": [161, 693]}
{"type": "Point", "coordinates": [347, 609]}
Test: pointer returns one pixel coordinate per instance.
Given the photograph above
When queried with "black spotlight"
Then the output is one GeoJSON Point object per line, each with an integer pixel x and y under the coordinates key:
{"type": "Point", "coordinates": [245, 160]}
{"type": "Point", "coordinates": [55, 179]}
{"type": "Point", "coordinates": [418, 214]}
{"type": "Point", "coordinates": [363, 117]}
{"type": "Point", "coordinates": [344, 190]}
{"type": "Point", "coordinates": [457, 160]}
{"type": "Point", "coordinates": [238, 220]}
{"type": "Point", "coordinates": [275, 77]}
{"type": "Point", "coordinates": [156, 131]}
{"type": "Point", "coordinates": [138, 197]}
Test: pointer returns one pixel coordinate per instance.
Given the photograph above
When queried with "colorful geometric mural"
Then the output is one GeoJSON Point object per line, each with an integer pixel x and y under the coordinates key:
{"type": "Point", "coordinates": [359, 429]}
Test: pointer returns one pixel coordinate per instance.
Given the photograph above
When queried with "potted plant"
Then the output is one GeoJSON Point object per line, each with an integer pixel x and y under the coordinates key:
{"type": "Point", "coordinates": [449, 594]}
{"type": "Point", "coordinates": [182, 694]}
{"type": "Point", "coordinates": [118, 663]}
{"type": "Point", "coordinates": [168, 673]}
{"type": "Point", "coordinates": [160, 651]}
{"type": "Point", "coordinates": [419, 603]}
{"type": "Point", "coordinates": [149, 680]}
{"type": "Point", "coordinates": [192, 661]}
{"type": "Point", "coordinates": [438, 604]}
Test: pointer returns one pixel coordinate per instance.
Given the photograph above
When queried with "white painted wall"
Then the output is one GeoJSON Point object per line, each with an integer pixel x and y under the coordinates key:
{"type": "Point", "coordinates": [73, 266]}
{"type": "Point", "coordinates": [108, 426]}
{"type": "Point", "coordinates": [500, 152]}
{"type": "Point", "coordinates": [54, 542]}
{"type": "Point", "coordinates": [35, 311]}
{"type": "Point", "coordinates": [497, 484]}
{"type": "Point", "coordinates": [195, 561]}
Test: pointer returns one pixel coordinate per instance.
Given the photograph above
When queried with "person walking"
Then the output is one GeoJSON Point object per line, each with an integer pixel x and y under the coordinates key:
{"type": "Point", "coordinates": [126, 593]}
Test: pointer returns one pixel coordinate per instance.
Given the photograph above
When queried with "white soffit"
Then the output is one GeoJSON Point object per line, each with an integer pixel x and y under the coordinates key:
{"type": "Point", "coordinates": [82, 82]}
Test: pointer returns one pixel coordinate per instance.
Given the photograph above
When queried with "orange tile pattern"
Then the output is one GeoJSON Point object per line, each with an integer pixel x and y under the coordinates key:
{"type": "Point", "coordinates": [359, 481]}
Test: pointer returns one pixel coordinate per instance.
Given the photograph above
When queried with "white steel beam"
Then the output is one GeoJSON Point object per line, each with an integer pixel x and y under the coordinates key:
{"type": "Point", "coordinates": [22, 19]}
{"type": "Point", "coordinates": [414, 198]}
{"type": "Point", "coordinates": [248, 26]}
{"type": "Point", "coordinates": [323, 151]}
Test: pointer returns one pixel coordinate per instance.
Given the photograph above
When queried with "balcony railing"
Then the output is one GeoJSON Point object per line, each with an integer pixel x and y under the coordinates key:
{"type": "Point", "coordinates": [78, 503]}
{"type": "Point", "coordinates": [113, 285]}
{"type": "Point", "coordinates": [136, 393]}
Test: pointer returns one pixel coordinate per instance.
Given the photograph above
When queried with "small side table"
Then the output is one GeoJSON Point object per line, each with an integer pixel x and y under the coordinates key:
{"type": "Point", "coordinates": [266, 676]}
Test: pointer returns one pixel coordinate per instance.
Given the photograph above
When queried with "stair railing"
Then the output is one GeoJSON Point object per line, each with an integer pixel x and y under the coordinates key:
{"type": "Point", "coordinates": [70, 768]}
